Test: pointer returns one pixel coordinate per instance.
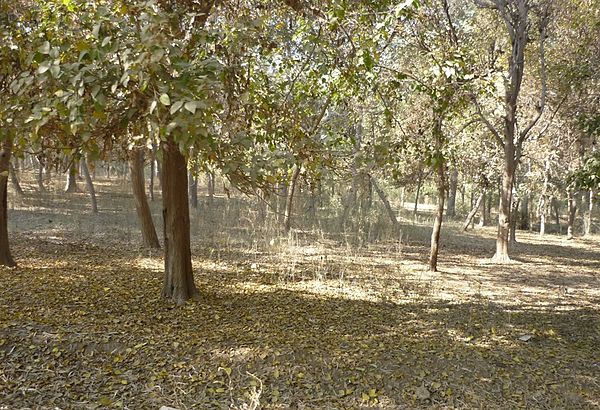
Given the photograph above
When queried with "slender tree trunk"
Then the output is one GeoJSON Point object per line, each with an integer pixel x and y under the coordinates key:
{"type": "Point", "coordinates": [149, 237]}
{"type": "Point", "coordinates": [483, 221]}
{"type": "Point", "coordinates": [502, 239]}
{"type": "Point", "coordinates": [179, 278]}
{"type": "Point", "coordinates": [524, 222]}
{"type": "Point", "coordinates": [6, 258]}
{"type": "Point", "coordinates": [289, 205]}
{"type": "Point", "coordinates": [14, 180]}
{"type": "Point", "coordinates": [152, 172]}
{"type": "Point", "coordinates": [72, 178]}
{"type": "Point", "coordinates": [89, 184]}
{"type": "Point", "coordinates": [417, 193]}
{"type": "Point", "coordinates": [439, 217]}
{"type": "Point", "coordinates": [542, 214]}
{"type": "Point", "coordinates": [554, 206]}
{"type": "Point", "coordinates": [473, 211]}
{"type": "Point", "coordinates": [571, 210]}
{"type": "Point", "coordinates": [451, 208]}
{"type": "Point", "coordinates": [587, 218]}
{"type": "Point", "coordinates": [386, 203]}
{"type": "Point", "coordinates": [40, 174]}
{"type": "Point", "coordinates": [193, 189]}
{"type": "Point", "coordinates": [210, 179]}
{"type": "Point", "coordinates": [513, 221]}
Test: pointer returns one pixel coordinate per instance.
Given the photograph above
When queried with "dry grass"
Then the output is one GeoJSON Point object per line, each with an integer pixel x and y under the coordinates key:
{"type": "Point", "coordinates": [315, 319]}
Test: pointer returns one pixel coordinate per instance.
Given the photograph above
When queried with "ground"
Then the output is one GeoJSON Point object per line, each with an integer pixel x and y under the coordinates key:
{"type": "Point", "coordinates": [306, 321]}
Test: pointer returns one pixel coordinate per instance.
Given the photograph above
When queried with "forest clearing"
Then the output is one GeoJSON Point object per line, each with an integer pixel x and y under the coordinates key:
{"type": "Point", "coordinates": [299, 204]}
{"type": "Point", "coordinates": [305, 320]}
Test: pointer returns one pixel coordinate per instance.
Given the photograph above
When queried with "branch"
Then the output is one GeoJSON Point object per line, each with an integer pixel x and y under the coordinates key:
{"type": "Point", "coordinates": [543, 91]}
{"type": "Point", "coordinates": [488, 124]}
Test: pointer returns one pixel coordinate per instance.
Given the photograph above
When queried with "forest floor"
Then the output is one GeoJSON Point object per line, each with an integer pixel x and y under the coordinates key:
{"type": "Point", "coordinates": [306, 321]}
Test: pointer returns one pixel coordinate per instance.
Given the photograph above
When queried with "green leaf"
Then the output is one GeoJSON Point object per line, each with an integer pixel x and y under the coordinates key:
{"type": "Point", "coordinates": [191, 106]}
{"type": "Point", "coordinates": [44, 48]}
{"type": "Point", "coordinates": [165, 100]}
{"type": "Point", "coordinates": [175, 107]}
{"type": "Point", "coordinates": [44, 66]}
{"type": "Point", "coordinates": [157, 55]}
{"type": "Point", "coordinates": [55, 71]}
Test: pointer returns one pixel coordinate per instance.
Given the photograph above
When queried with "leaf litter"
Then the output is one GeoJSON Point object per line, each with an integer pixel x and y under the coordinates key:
{"type": "Point", "coordinates": [82, 326]}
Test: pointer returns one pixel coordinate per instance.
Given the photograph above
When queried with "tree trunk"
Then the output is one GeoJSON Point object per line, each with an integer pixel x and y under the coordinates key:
{"type": "Point", "coordinates": [571, 210]}
{"type": "Point", "coordinates": [417, 193]}
{"type": "Point", "coordinates": [587, 218]}
{"type": "Point", "coordinates": [483, 221]}
{"type": "Point", "coordinates": [502, 239]}
{"type": "Point", "coordinates": [554, 205]}
{"type": "Point", "coordinates": [210, 180]}
{"type": "Point", "coordinates": [149, 237]}
{"type": "Point", "coordinates": [451, 208]}
{"type": "Point", "coordinates": [14, 180]}
{"type": "Point", "coordinates": [386, 203]}
{"type": "Point", "coordinates": [524, 222]}
{"type": "Point", "coordinates": [179, 278]}
{"type": "Point", "coordinates": [152, 172]}
{"type": "Point", "coordinates": [6, 258]}
{"type": "Point", "coordinates": [439, 217]}
{"type": "Point", "coordinates": [89, 184]}
{"type": "Point", "coordinates": [513, 221]}
{"type": "Point", "coordinates": [473, 211]}
{"type": "Point", "coordinates": [542, 214]}
{"type": "Point", "coordinates": [72, 177]}
{"type": "Point", "coordinates": [40, 174]}
{"type": "Point", "coordinates": [289, 205]}
{"type": "Point", "coordinates": [193, 189]}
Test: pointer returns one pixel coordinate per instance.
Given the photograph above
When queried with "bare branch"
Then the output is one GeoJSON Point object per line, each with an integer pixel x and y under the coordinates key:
{"type": "Point", "coordinates": [488, 124]}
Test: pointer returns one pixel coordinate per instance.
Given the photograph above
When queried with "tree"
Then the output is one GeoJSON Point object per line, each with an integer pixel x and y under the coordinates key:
{"type": "Point", "coordinates": [517, 17]}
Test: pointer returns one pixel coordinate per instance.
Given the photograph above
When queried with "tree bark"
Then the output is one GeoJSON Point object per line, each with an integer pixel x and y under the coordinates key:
{"type": "Point", "coordinates": [152, 172]}
{"type": "Point", "coordinates": [179, 278]}
{"type": "Point", "coordinates": [417, 193]}
{"type": "Point", "coordinates": [587, 218]}
{"type": "Point", "coordinates": [439, 217]}
{"type": "Point", "coordinates": [483, 221]}
{"type": "Point", "coordinates": [40, 174]}
{"type": "Point", "coordinates": [193, 190]}
{"type": "Point", "coordinates": [473, 211]}
{"type": "Point", "coordinates": [6, 258]}
{"type": "Point", "coordinates": [513, 221]}
{"type": "Point", "coordinates": [210, 181]}
{"type": "Point", "coordinates": [502, 239]}
{"type": "Point", "coordinates": [14, 180]}
{"type": "Point", "coordinates": [542, 214]}
{"type": "Point", "coordinates": [571, 210]}
{"type": "Point", "coordinates": [289, 205]}
{"type": "Point", "coordinates": [386, 202]}
{"type": "Point", "coordinates": [149, 237]}
{"type": "Point", "coordinates": [72, 177]}
{"type": "Point", "coordinates": [451, 208]}
{"type": "Point", "coordinates": [89, 184]}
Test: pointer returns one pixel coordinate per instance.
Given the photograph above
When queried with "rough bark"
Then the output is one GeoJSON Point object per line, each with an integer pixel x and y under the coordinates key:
{"type": "Point", "coordinates": [473, 211]}
{"type": "Point", "coordinates": [451, 208]}
{"type": "Point", "coordinates": [289, 204]}
{"type": "Point", "coordinates": [6, 258]}
{"type": "Point", "coordinates": [136, 163]}
{"type": "Point", "coordinates": [386, 202]}
{"type": "Point", "coordinates": [89, 184]}
{"type": "Point", "coordinates": [179, 279]}
{"type": "Point", "coordinates": [508, 176]}
{"type": "Point", "coordinates": [14, 180]}
{"type": "Point", "coordinates": [71, 185]}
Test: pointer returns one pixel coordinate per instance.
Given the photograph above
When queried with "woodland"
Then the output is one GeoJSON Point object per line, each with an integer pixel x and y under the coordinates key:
{"type": "Point", "coordinates": [338, 204]}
